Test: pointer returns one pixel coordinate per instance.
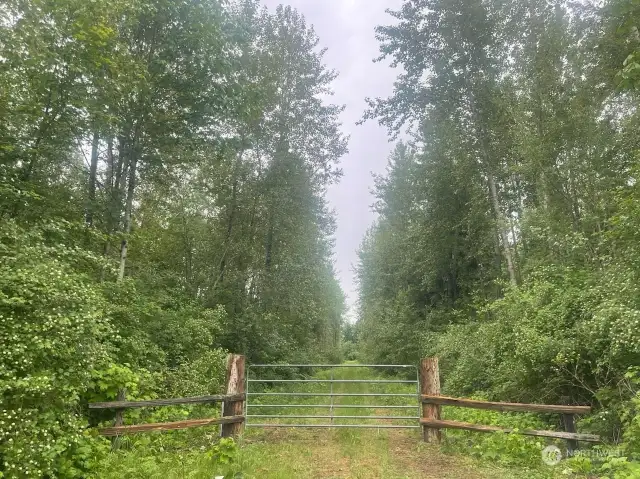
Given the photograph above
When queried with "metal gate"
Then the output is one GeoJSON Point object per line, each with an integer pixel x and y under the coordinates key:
{"type": "Point", "coordinates": [279, 409]}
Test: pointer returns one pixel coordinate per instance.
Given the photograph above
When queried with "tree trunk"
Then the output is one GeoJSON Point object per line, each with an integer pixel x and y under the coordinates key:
{"type": "Point", "coordinates": [231, 216]}
{"type": "Point", "coordinates": [39, 135]}
{"type": "Point", "coordinates": [188, 248]}
{"type": "Point", "coordinates": [117, 174]}
{"type": "Point", "coordinates": [93, 170]}
{"type": "Point", "coordinates": [269, 244]}
{"type": "Point", "coordinates": [502, 231]}
{"type": "Point", "coordinates": [116, 182]}
{"type": "Point", "coordinates": [501, 223]}
{"type": "Point", "coordinates": [127, 215]}
{"type": "Point", "coordinates": [110, 165]}
{"type": "Point", "coordinates": [515, 239]}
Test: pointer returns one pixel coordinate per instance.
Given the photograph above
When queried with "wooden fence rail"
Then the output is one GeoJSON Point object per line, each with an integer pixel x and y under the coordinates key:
{"type": "Point", "coordinates": [232, 407]}
{"type": "Point", "coordinates": [526, 432]}
{"type": "Point", "coordinates": [432, 402]}
{"type": "Point", "coordinates": [168, 426]}
{"type": "Point", "coordinates": [504, 406]}
{"type": "Point", "coordinates": [166, 402]}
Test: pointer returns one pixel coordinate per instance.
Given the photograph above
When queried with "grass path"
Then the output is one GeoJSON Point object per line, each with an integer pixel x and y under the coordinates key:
{"type": "Point", "coordinates": [284, 453]}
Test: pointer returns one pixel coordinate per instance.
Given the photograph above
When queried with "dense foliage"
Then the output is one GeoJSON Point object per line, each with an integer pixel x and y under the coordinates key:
{"type": "Point", "coordinates": [507, 238]}
{"type": "Point", "coordinates": [163, 169]}
{"type": "Point", "coordinates": [163, 166]}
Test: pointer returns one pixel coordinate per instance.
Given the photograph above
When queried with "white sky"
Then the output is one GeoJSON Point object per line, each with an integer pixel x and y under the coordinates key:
{"type": "Point", "coordinates": [346, 28]}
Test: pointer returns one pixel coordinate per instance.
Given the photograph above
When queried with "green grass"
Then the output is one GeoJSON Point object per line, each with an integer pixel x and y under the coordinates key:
{"type": "Point", "coordinates": [288, 453]}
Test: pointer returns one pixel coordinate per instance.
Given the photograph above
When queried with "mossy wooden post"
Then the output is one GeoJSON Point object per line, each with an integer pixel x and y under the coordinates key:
{"type": "Point", "coordinates": [235, 385]}
{"type": "Point", "coordinates": [569, 425]}
{"type": "Point", "coordinates": [119, 420]}
{"type": "Point", "coordinates": [430, 384]}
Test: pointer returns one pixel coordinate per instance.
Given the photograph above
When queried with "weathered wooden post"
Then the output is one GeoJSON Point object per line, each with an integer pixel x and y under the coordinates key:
{"type": "Point", "coordinates": [235, 385]}
{"type": "Point", "coordinates": [430, 384]}
{"type": "Point", "coordinates": [119, 420]}
{"type": "Point", "coordinates": [569, 424]}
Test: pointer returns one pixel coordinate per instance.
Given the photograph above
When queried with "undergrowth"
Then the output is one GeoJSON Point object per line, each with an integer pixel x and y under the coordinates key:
{"type": "Point", "coordinates": [515, 450]}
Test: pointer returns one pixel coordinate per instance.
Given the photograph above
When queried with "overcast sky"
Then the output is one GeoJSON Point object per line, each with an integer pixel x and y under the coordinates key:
{"type": "Point", "coordinates": [346, 28]}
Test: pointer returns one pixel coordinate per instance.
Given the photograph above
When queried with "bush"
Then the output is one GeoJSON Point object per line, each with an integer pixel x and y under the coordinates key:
{"type": "Point", "coordinates": [563, 333]}
{"type": "Point", "coordinates": [52, 330]}
{"type": "Point", "coordinates": [349, 350]}
{"type": "Point", "coordinates": [201, 376]}
{"type": "Point", "coordinates": [149, 460]}
{"type": "Point", "coordinates": [507, 449]}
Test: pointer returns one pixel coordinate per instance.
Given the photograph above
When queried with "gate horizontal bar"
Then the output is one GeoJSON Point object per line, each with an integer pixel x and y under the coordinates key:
{"type": "Point", "coordinates": [369, 381]}
{"type": "Point", "coordinates": [334, 394]}
{"type": "Point", "coordinates": [329, 406]}
{"type": "Point", "coordinates": [332, 366]}
{"type": "Point", "coordinates": [370, 426]}
{"type": "Point", "coordinates": [276, 416]}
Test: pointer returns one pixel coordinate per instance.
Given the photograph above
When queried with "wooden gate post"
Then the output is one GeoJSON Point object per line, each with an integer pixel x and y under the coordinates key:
{"type": "Point", "coordinates": [430, 384]}
{"type": "Point", "coordinates": [235, 385]}
{"type": "Point", "coordinates": [119, 420]}
{"type": "Point", "coordinates": [569, 424]}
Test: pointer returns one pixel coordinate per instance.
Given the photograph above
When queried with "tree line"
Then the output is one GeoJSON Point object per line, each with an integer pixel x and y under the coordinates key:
{"type": "Point", "coordinates": [507, 233]}
{"type": "Point", "coordinates": [163, 168]}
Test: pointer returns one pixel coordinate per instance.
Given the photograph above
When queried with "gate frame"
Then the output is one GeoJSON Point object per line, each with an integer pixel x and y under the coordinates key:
{"type": "Point", "coordinates": [331, 406]}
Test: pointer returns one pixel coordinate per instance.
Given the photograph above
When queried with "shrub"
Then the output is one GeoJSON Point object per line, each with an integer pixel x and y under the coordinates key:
{"type": "Point", "coordinates": [199, 377]}
{"type": "Point", "coordinates": [508, 449]}
{"type": "Point", "coordinates": [52, 328]}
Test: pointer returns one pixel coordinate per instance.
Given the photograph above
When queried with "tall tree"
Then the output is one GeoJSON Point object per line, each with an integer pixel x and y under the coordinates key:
{"type": "Point", "coordinates": [198, 136]}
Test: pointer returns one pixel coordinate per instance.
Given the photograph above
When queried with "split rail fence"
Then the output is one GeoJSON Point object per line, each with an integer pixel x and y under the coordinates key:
{"type": "Point", "coordinates": [432, 403]}
{"type": "Point", "coordinates": [234, 409]}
